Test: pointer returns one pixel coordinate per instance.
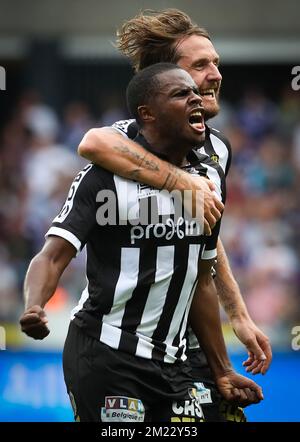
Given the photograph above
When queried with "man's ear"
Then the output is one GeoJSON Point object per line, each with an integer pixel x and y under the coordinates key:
{"type": "Point", "coordinates": [145, 113]}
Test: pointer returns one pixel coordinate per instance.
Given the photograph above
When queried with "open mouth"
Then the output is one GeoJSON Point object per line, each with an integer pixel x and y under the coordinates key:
{"type": "Point", "coordinates": [210, 93]}
{"type": "Point", "coordinates": [196, 120]}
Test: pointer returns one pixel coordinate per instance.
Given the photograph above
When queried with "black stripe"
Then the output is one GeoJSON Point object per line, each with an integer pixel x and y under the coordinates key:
{"type": "Point", "coordinates": [134, 309]}
{"type": "Point", "coordinates": [176, 340]}
{"type": "Point", "coordinates": [181, 256]}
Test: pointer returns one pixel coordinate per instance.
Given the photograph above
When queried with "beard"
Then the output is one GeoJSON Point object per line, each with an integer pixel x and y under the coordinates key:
{"type": "Point", "coordinates": [211, 111]}
{"type": "Point", "coordinates": [211, 107]}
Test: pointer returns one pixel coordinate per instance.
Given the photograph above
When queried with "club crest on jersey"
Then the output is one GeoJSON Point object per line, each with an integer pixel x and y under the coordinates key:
{"type": "Point", "coordinates": [215, 158]}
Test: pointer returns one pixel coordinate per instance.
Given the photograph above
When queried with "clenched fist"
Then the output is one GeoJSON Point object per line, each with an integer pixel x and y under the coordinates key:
{"type": "Point", "coordinates": [238, 389]}
{"type": "Point", "coordinates": [34, 322]}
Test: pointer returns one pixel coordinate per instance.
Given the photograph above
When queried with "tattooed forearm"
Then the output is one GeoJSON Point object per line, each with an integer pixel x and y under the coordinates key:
{"type": "Point", "coordinates": [170, 182]}
{"type": "Point", "coordinates": [142, 163]}
{"type": "Point", "coordinates": [141, 160]}
{"type": "Point", "coordinates": [172, 177]}
{"type": "Point", "coordinates": [227, 287]}
{"type": "Point", "coordinates": [226, 296]}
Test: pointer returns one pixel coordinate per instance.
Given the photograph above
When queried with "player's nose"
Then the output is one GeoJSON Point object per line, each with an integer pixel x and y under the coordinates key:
{"type": "Point", "coordinates": [195, 98]}
{"type": "Point", "coordinates": [214, 73]}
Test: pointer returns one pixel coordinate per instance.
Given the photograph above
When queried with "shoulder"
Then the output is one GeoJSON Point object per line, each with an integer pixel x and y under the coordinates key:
{"type": "Point", "coordinates": [91, 178]}
{"type": "Point", "coordinates": [215, 133]}
{"type": "Point", "coordinates": [218, 148]}
{"type": "Point", "coordinates": [129, 128]}
{"type": "Point", "coordinates": [200, 161]}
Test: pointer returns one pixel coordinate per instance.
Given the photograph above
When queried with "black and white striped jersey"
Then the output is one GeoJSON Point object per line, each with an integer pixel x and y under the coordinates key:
{"type": "Point", "coordinates": [141, 275]}
{"type": "Point", "coordinates": [215, 146]}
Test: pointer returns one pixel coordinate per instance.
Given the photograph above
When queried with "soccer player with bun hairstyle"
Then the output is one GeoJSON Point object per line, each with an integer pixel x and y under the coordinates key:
{"type": "Point", "coordinates": [171, 36]}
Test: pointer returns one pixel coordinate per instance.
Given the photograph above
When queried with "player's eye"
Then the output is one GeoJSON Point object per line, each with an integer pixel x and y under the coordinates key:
{"type": "Point", "coordinates": [181, 93]}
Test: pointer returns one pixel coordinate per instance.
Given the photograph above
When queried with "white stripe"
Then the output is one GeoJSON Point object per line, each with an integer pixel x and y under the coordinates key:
{"type": "Point", "coordinates": [110, 335]}
{"type": "Point", "coordinates": [165, 203]}
{"type": "Point", "coordinates": [209, 254]}
{"type": "Point", "coordinates": [170, 354]}
{"type": "Point", "coordinates": [185, 295]}
{"type": "Point", "coordinates": [184, 325]}
{"type": "Point", "coordinates": [158, 291]}
{"type": "Point", "coordinates": [58, 231]}
{"type": "Point", "coordinates": [144, 350]}
{"type": "Point", "coordinates": [127, 282]}
{"type": "Point", "coordinates": [213, 175]}
{"type": "Point", "coordinates": [221, 150]}
{"type": "Point", "coordinates": [128, 203]}
{"type": "Point", "coordinates": [144, 347]}
{"type": "Point", "coordinates": [83, 298]}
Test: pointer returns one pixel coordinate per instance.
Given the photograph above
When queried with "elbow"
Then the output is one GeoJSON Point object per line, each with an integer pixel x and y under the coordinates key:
{"type": "Point", "coordinates": [96, 143]}
{"type": "Point", "coordinates": [86, 148]}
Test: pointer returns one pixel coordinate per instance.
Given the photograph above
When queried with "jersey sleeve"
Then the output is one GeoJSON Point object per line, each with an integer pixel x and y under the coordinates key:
{"type": "Point", "coordinates": [222, 148]}
{"type": "Point", "coordinates": [78, 214]}
{"type": "Point", "coordinates": [229, 158]}
{"type": "Point", "coordinates": [210, 250]}
{"type": "Point", "coordinates": [128, 128]}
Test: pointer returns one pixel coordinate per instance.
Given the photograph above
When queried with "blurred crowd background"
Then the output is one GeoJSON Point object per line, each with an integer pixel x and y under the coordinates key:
{"type": "Point", "coordinates": [57, 89]}
{"type": "Point", "coordinates": [38, 158]}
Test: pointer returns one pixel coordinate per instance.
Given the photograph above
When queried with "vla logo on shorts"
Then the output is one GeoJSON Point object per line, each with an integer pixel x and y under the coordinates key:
{"type": "Point", "coordinates": [122, 409]}
{"type": "Point", "coordinates": [203, 393]}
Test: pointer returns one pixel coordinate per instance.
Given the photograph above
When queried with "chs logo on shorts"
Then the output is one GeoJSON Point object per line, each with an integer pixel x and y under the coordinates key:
{"type": "Point", "coordinates": [190, 408]}
{"type": "Point", "coordinates": [122, 409]}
